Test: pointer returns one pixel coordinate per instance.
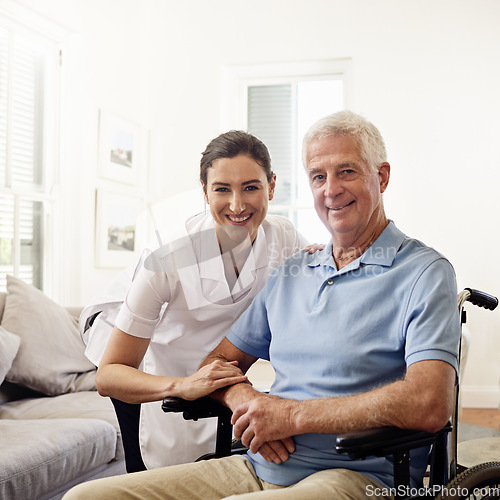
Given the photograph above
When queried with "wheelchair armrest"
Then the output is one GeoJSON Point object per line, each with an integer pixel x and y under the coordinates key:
{"type": "Point", "coordinates": [206, 407]}
{"type": "Point", "coordinates": [384, 441]}
{"type": "Point", "coordinates": [193, 410]}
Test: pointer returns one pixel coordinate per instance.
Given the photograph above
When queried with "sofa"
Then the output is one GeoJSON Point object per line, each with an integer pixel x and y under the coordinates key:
{"type": "Point", "coordinates": [55, 429]}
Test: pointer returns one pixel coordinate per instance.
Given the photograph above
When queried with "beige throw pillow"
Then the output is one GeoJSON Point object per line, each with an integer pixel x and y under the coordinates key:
{"type": "Point", "coordinates": [9, 345]}
{"type": "Point", "coordinates": [51, 356]}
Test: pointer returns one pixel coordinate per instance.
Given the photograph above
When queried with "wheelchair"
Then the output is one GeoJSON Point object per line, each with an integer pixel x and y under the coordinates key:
{"type": "Point", "coordinates": [445, 478]}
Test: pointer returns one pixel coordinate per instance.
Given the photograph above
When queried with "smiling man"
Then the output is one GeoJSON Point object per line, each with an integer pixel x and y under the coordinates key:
{"type": "Point", "coordinates": [347, 194]}
{"type": "Point", "coordinates": [361, 334]}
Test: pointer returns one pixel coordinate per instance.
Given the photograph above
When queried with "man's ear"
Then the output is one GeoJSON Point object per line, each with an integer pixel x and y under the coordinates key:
{"type": "Point", "coordinates": [272, 187]}
{"type": "Point", "coordinates": [384, 173]}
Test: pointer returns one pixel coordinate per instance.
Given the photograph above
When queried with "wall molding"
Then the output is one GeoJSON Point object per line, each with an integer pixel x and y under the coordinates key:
{"type": "Point", "coordinates": [480, 396]}
{"type": "Point", "coordinates": [35, 21]}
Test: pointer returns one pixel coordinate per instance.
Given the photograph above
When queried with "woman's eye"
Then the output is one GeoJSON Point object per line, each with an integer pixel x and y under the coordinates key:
{"type": "Point", "coordinates": [221, 190]}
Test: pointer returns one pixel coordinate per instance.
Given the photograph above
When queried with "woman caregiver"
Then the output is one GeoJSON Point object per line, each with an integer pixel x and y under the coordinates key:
{"type": "Point", "coordinates": [183, 298]}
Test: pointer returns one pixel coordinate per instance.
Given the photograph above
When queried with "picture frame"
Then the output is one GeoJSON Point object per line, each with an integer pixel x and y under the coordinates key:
{"type": "Point", "coordinates": [118, 229]}
{"type": "Point", "coordinates": [119, 148]}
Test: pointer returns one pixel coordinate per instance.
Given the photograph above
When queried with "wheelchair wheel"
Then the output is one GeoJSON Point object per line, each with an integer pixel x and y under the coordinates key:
{"type": "Point", "coordinates": [479, 482]}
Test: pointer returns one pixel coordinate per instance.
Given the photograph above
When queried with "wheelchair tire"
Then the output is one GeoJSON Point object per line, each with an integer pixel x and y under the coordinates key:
{"type": "Point", "coordinates": [479, 482]}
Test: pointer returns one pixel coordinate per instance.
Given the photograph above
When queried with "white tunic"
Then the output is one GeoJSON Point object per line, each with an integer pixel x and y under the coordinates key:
{"type": "Point", "coordinates": [181, 300]}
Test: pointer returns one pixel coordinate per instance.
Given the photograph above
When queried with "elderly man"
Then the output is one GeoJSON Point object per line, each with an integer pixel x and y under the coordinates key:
{"type": "Point", "coordinates": [361, 334]}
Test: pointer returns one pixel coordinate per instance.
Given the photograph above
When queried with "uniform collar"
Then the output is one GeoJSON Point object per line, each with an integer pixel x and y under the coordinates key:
{"type": "Point", "coordinates": [206, 247]}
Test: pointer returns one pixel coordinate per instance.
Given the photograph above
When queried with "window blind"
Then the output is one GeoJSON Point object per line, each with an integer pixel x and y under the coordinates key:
{"type": "Point", "coordinates": [270, 119]}
{"type": "Point", "coordinates": [21, 107]}
{"type": "Point", "coordinates": [4, 38]}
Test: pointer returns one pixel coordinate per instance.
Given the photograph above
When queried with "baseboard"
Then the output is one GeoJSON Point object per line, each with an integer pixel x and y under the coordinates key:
{"type": "Point", "coordinates": [480, 396]}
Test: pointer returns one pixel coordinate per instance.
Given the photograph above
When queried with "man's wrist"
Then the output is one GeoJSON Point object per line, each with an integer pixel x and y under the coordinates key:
{"type": "Point", "coordinates": [298, 417]}
{"type": "Point", "coordinates": [234, 395]}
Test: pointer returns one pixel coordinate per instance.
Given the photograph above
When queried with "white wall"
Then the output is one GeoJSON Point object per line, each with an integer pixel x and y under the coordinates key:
{"type": "Point", "coordinates": [426, 72]}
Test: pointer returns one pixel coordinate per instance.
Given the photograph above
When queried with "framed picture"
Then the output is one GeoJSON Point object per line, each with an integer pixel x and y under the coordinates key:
{"type": "Point", "coordinates": [118, 148]}
{"type": "Point", "coordinates": [117, 228]}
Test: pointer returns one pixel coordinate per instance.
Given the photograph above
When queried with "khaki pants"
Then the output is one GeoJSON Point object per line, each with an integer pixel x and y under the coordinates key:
{"type": "Point", "coordinates": [229, 477]}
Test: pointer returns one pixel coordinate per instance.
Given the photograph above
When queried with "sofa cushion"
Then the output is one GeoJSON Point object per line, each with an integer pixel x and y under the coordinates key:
{"type": "Point", "coordinates": [3, 297]}
{"type": "Point", "coordinates": [40, 455]}
{"type": "Point", "coordinates": [72, 405]}
{"type": "Point", "coordinates": [51, 357]}
{"type": "Point", "coordinates": [9, 345]}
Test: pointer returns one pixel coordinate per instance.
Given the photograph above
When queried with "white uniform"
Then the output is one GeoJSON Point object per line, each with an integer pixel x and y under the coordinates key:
{"type": "Point", "coordinates": [181, 299]}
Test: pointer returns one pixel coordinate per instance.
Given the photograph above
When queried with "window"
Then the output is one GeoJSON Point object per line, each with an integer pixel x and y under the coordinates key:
{"type": "Point", "coordinates": [278, 103]}
{"type": "Point", "coordinates": [28, 93]}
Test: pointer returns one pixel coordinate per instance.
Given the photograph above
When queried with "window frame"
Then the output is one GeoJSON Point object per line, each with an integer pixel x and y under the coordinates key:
{"type": "Point", "coordinates": [236, 79]}
{"type": "Point", "coordinates": [19, 21]}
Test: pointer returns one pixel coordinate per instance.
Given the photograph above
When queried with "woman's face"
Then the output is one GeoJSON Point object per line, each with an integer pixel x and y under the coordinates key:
{"type": "Point", "coordinates": [238, 193]}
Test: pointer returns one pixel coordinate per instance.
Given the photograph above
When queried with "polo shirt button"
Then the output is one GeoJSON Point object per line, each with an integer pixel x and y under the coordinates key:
{"type": "Point", "coordinates": [330, 281]}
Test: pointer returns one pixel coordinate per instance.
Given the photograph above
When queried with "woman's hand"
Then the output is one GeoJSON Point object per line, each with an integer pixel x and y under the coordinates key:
{"type": "Point", "coordinates": [208, 379]}
{"type": "Point", "coordinates": [314, 247]}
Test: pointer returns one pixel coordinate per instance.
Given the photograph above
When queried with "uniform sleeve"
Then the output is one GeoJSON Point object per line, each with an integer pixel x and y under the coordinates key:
{"type": "Point", "coordinates": [432, 324]}
{"type": "Point", "coordinates": [292, 241]}
{"type": "Point", "coordinates": [301, 240]}
{"type": "Point", "coordinates": [148, 292]}
{"type": "Point", "coordinates": [108, 300]}
{"type": "Point", "coordinates": [296, 240]}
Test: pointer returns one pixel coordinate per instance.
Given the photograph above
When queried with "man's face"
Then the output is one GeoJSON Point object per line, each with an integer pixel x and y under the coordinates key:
{"type": "Point", "coordinates": [347, 193]}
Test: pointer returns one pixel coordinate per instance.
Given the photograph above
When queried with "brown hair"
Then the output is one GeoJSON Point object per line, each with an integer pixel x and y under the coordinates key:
{"type": "Point", "coordinates": [231, 144]}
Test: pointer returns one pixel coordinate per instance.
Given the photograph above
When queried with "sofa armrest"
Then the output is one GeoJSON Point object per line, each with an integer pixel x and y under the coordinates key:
{"type": "Point", "coordinates": [75, 311]}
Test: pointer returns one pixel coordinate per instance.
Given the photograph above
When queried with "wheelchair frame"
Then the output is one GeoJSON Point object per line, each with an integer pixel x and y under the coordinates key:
{"type": "Point", "coordinates": [447, 478]}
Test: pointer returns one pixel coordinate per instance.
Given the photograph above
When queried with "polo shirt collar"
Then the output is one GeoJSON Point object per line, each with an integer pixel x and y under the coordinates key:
{"type": "Point", "coordinates": [382, 252]}
{"type": "Point", "coordinates": [386, 246]}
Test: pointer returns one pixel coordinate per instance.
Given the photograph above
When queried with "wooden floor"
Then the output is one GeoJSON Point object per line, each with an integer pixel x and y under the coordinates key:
{"type": "Point", "coordinates": [484, 417]}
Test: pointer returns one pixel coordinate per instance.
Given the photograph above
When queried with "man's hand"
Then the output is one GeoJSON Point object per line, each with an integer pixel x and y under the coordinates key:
{"type": "Point", "coordinates": [266, 425]}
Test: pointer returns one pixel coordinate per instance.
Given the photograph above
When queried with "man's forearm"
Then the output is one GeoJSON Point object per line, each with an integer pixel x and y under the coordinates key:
{"type": "Point", "coordinates": [423, 400]}
{"type": "Point", "coordinates": [233, 395]}
{"type": "Point", "coordinates": [350, 413]}
{"type": "Point", "coordinates": [425, 405]}
{"type": "Point", "coordinates": [212, 357]}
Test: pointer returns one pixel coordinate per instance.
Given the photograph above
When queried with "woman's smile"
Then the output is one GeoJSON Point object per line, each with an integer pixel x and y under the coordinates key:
{"type": "Point", "coordinates": [238, 193]}
{"type": "Point", "coordinates": [238, 219]}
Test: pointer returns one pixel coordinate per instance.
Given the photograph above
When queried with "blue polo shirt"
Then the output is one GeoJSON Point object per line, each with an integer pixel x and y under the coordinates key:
{"type": "Point", "coordinates": [331, 333]}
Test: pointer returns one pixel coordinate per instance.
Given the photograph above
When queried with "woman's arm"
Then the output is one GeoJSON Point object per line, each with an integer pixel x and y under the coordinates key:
{"type": "Point", "coordinates": [118, 375]}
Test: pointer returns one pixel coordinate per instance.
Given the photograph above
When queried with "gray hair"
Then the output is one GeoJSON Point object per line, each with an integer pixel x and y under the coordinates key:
{"type": "Point", "coordinates": [348, 123]}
